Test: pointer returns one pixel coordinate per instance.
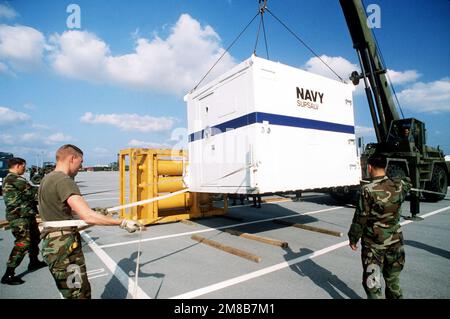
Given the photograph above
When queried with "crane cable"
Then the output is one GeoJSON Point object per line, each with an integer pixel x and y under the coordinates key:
{"type": "Point", "coordinates": [227, 49]}
{"type": "Point", "coordinates": [262, 9]}
{"type": "Point", "coordinates": [304, 43]}
{"type": "Point", "coordinates": [387, 74]}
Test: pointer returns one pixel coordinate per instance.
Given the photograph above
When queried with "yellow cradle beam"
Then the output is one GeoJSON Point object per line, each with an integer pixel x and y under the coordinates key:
{"type": "Point", "coordinates": [150, 173]}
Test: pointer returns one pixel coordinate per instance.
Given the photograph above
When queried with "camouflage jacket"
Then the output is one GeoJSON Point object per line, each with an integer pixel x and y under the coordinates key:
{"type": "Point", "coordinates": [377, 215]}
{"type": "Point", "coordinates": [20, 197]}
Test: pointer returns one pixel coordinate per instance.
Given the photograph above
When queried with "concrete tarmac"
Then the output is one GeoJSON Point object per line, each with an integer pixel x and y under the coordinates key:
{"type": "Point", "coordinates": [172, 265]}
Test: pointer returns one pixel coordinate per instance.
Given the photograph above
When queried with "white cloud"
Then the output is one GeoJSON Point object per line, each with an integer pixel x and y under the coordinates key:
{"type": "Point", "coordinates": [427, 97]}
{"type": "Point", "coordinates": [29, 137]}
{"type": "Point", "coordinates": [364, 131]}
{"type": "Point", "coordinates": [36, 138]}
{"type": "Point", "coordinates": [397, 77]}
{"type": "Point", "coordinates": [58, 138]}
{"type": "Point", "coordinates": [33, 146]}
{"type": "Point", "coordinates": [33, 155]}
{"type": "Point", "coordinates": [130, 122]}
{"type": "Point", "coordinates": [40, 126]}
{"type": "Point", "coordinates": [6, 139]}
{"type": "Point", "coordinates": [7, 12]}
{"type": "Point", "coordinates": [144, 144]}
{"type": "Point", "coordinates": [101, 151]}
{"type": "Point", "coordinates": [79, 55]}
{"type": "Point", "coordinates": [340, 65]}
{"type": "Point", "coordinates": [344, 68]}
{"type": "Point", "coordinates": [172, 65]}
{"type": "Point", "coordinates": [29, 106]}
{"type": "Point", "coordinates": [3, 68]}
{"type": "Point", "coordinates": [21, 47]}
{"type": "Point", "coordinates": [9, 117]}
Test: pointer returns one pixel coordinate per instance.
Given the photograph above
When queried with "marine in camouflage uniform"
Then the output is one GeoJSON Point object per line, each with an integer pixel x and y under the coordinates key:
{"type": "Point", "coordinates": [376, 223]}
{"type": "Point", "coordinates": [61, 247]}
{"type": "Point", "coordinates": [66, 262]}
{"type": "Point", "coordinates": [59, 200]}
{"type": "Point", "coordinates": [20, 199]}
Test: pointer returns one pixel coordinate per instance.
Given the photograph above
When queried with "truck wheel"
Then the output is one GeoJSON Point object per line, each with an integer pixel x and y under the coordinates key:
{"type": "Point", "coordinates": [344, 195]}
{"type": "Point", "coordinates": [438, 184]}
{"type": "Point", "coordinates": [36, 179]}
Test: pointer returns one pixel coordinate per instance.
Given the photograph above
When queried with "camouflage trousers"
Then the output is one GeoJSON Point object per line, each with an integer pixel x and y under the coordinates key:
{"type": "Point", "coordinates": [388, 263]}
{"type": "Point", "coordinates": [64, 256]}
{"type": "Point", "coordinates": [26, 233]}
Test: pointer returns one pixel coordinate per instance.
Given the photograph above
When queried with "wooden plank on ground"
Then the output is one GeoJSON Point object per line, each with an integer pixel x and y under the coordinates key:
{"type": "Point", "coordinates": [266, 240]}
{"type": "Point", "coordinates": [276, 200]}
{"type": "Point", "coordinates": [310, 228]}
{"type": "Point", "coordinates": [228, 249]}
{"type": "Point", "coordinates": [187, 222]}
{"type": "Point", "coordinates": [4, 224]}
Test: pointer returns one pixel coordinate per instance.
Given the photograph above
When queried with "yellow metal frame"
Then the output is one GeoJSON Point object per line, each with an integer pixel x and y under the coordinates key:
{"type": "Point", "coordinates": [152, 173]}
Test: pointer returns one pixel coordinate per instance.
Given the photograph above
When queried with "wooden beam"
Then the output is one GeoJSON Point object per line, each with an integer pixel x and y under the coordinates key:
{"type": "Point", "coordinates": [310, 228]}
{"type": "Point", "coordinates": [228, 249]}
{"type": "Point", "coordinates": [276, 200]}
{"type": "Point", "coordinates": [266, 240]}
{"type": "Point", "coordinates": [4, 224]}
{"type": "Point", "coordinates": [187, 222]}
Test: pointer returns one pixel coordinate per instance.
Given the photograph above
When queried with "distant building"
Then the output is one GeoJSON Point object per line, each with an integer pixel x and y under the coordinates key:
{"type": "Point", "coordinates": [101, 167]}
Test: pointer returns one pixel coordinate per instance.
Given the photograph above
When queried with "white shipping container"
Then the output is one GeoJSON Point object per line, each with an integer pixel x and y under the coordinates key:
{"type": "Point", "coordinates": [266, 127]}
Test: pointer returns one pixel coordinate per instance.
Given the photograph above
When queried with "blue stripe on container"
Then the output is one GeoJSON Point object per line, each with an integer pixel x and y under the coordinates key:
{"type": "Point", "coordinates": [273, 119]}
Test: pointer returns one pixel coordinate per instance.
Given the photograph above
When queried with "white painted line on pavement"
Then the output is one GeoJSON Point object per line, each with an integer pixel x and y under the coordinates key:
{"type": "Point", "coordinates": [95, 271]}
{"type": "Point", "coordinates": [117, 272]}
{"type": "Point", "coordinates": [270, 269]}
{"type": "Point", "coordinates": [258, 273]}
{"type": "Point", "coordinates": [217, 228]}
{"type": "Point", "coordinates": [426, 215]}
{"type": "Point", "coordinates": [93, 277]}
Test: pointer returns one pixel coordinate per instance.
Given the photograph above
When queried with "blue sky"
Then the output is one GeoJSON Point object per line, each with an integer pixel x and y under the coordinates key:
{"type": "Point", "coordinates": [119, 80]}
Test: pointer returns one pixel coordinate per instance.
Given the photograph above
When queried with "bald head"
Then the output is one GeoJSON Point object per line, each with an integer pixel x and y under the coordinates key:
{"type": "Point", "coordinates": [68, 150]}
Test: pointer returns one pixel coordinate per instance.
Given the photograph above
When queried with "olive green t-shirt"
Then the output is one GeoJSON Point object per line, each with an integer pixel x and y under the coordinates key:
{"type": "Point", "coordinates": [56, 187]}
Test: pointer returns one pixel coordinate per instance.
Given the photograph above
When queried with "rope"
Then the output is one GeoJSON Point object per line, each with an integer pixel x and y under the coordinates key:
{"type": "Point", "coordinates": [425, 191]}
{"type": "Point", "coordinates": [146, 201]}
{"type": "Point", "coordinates": [138, 258]}
{"type": "Point", "coordinates": [301, 41]}
{"type": "Point", "coordinates": [138, 265]}
{"type": "Point", "coordinates": [232, 173]}
{"type": "Point", "coordinates": [412, 189]}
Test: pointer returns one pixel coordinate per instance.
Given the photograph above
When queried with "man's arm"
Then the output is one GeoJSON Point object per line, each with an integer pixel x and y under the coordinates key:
{"type": "Point", "coordinates": [82, 209]}
{"type": "Point", "coordinates": [26, 196]}
{"type": "Point", "coordinates": [406, 187]}
{"type": "Point", "coordinates": [359, 219]}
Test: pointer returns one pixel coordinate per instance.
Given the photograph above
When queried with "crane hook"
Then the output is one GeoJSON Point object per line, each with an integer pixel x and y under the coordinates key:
{"type": "Point", "coordinates": [262, 6]}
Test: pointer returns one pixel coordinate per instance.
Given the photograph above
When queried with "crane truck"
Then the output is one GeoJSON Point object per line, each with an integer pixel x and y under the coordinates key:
{"type": "Point", "coordinates": [402, 140]}
{"type": "Point", "coordinates": [4, 157]}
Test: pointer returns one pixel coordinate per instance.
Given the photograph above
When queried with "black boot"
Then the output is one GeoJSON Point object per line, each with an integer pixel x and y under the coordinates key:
{"type": "Point", "coordinates": [36, 264]}
{"type": "Point", "coordinates": [9, 278]}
